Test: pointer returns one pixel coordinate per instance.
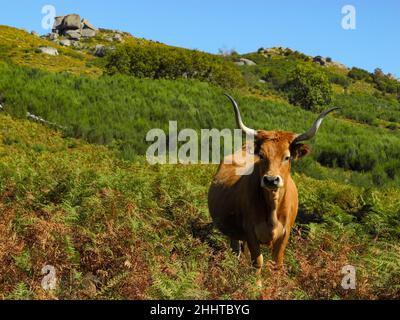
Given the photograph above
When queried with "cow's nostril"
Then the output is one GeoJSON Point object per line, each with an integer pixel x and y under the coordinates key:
{"type": "Point", "coordinates": [272, 181]}
{"type": "Point", "coordinates": [268, 180]}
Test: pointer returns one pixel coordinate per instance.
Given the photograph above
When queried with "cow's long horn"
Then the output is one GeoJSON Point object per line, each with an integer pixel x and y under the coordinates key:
{"type": "Point", "coordinates": [313, 130]}
{"type": "Point", "coordinates": [248, 131]}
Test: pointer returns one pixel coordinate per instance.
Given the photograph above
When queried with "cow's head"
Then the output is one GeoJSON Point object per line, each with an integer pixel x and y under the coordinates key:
{"type": "Point", "coordinates": [275, 150]}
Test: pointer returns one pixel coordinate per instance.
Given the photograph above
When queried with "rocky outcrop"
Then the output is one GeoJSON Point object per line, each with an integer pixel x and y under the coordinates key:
{"type": "Point", "coordinates": [87, 25]}
{"type": "Point", "coordinates": [87, 29]}
{"type": "Point", "coordinates": [49, 50]}
{"type": "Point", "coordinates": [65, 42]}
{"type": "Point", "coordinates": [245, 62]}
{"type": "Point", "coordinates": [88, 33]}
{"type": "Point", "coordinates": [73, 34]}
{"type": "Point", "coordinates": [100, 50]}
{"type": "Point", "coordinates": [71, 22]}
{"type": "Point", "coordinates": [53, 36]}
{"type": "Point", "coordinates": [325, 62]}
{"type": "Point", "coordinates": [57, 24]}
{"type": "Point", "coordinates": [118, 37]}
{"type": "Point", "coordinates": [338, 65]}
{"type": "Point", "coordinates": [320, 60]}
{"type": "Point", "coordinates": [73, 27]}
{"type": "Point", "coordinates": [274, 51]}
{"type": "Point", "coordinates": [71, 31]}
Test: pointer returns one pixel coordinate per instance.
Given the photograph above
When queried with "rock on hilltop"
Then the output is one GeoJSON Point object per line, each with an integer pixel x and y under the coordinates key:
{"type": "Point", "coordinates": [72, 31]}
{"type": "Point", "coordinates": [73, 27]}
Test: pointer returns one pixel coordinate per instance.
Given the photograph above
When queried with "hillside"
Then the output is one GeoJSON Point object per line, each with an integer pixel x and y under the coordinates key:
{"type": "Point", "coordinates": [369, 98]}
{"type": "Point", "coordinates": [86, 201]}
{"type": "Point", "coordinates": [116, 229]}
{"type": "Point", "coordinates": [19, 47]}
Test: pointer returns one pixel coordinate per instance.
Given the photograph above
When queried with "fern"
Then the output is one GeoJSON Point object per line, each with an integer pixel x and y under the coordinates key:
{"type": "Point", "coordinates": [20, 292]}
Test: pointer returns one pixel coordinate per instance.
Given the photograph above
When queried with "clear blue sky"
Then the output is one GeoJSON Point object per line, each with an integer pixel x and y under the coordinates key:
{"type": "Point", "coordinates": [310, 26]}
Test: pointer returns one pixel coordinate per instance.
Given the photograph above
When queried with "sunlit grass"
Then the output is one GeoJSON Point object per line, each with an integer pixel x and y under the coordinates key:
{"type": "Point", "coordinates": [115, 229]}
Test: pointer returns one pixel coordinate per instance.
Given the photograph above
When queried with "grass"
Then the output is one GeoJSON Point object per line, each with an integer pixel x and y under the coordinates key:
{"type": "Point", "coordinates": [368, 109]}
{"type": "Point", "coordinates": [127, 230]}
{"type": "Point", "coordinates": [20, 48]}
{"type": "Point", "coordinates": [362, 155]}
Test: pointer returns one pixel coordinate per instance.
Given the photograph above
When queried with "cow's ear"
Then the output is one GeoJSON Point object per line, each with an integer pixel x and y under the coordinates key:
{"type": "Point", "coordinates": [299, 150]}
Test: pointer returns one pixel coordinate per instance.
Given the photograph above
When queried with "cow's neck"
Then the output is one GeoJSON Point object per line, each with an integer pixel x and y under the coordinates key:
{"type": "Point", "coordinates": [274, 200]}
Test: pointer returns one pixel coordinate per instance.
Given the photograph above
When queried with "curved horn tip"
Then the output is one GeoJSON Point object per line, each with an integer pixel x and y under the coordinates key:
{"type": "Point", "coordinates": [310, 133]}
{"type": "Point", "coordinates": [325, 112]}
{"type": "Point", "coordinates": [228, 96]}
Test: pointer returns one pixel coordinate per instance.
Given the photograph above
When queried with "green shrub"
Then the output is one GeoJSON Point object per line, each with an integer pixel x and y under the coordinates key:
{"type": "Point", "coordinates": [339, 79]}
{"type": "Point", "coordinates": [359, 74]}
{"type": "Point", "coordinates": [162, 62]}
{"type": "Point", "coordinates": [276, 78]}
{"type": "Point", "coordinates": [308, 87]}
{"type": "Point", "coordinates": [386, 84]}
{"type": "Point", "coordinates": [368, 108]}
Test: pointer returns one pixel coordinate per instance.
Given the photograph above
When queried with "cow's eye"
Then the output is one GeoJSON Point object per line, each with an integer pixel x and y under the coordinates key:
{"type": "Point", "coordinates": [261, 155]}
{"type": "Point", "coordinates": [286, 158]}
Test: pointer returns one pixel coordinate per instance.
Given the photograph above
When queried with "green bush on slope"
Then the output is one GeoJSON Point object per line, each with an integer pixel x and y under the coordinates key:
{"type": "Point", "coordinates": [370, 98]}
{"type": "Point", "coordinates": [308, 87]}
{"type": "Point", "coordinates": [162, 62]}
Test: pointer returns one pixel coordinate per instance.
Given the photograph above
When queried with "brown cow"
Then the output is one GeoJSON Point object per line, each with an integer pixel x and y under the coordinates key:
{"type": "Point", "coordinates": [260, 207]}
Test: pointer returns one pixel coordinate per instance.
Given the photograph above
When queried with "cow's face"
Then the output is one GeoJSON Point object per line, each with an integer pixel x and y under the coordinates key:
{"type": "Point", "coordinates": [275, 152]}
{"type": "Point", "coordinates": [275, 149]}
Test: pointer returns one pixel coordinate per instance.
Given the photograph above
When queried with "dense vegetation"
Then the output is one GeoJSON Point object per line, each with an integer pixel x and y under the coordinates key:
{"type": "Point", "coordinates": [116, 227]}
{"type": "Point", "coordinates": [87, 107]}
{"type": "Point", "coordinates": [20, 48]}
{"type": "Point", "coordinates": [156, 61]}
{"type": "Point", "coordinates": [371, 98]}
{"type": "Point", "coordinates": [308, 88]}
{"type": "Point", "coordinates": [369, 109]}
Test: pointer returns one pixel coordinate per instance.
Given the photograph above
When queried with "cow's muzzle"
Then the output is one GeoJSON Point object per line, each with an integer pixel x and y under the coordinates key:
{"type": "Point", "coordinates": [271, 182]}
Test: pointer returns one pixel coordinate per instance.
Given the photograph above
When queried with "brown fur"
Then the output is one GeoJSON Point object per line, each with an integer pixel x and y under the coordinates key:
{"type": "Point", "coordinates": [243, 210]}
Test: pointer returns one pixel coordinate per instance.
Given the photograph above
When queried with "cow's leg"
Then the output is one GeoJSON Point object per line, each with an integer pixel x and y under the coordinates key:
{"type": "Point", "coordinates": [279, 246]}
{"type": "Point", "coordinates": [236, 248]}
{"type": "Point", "coordinates": [255, 253]}
{"type": "Point", "coordinates": [246, 251]}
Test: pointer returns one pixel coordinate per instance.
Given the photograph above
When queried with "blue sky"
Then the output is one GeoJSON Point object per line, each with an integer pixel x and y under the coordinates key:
{"type": "Point", "coordinates": [311, 26]}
